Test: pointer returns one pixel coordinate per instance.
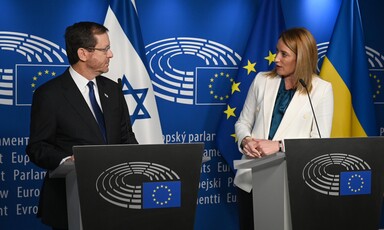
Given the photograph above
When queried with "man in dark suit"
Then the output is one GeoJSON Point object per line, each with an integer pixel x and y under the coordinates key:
{"type": "Point", "coordinates": [64, 114]}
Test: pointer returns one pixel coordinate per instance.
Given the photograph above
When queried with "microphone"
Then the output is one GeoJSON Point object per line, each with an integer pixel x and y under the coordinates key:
{"type": "Point", "coordinates": [310, 102]}
{"type": "Point", "coordinates": [120, 83]}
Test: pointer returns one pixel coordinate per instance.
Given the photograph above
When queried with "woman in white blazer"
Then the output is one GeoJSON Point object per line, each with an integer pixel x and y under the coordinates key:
{"type": "Point", "coordinates": [277, 108]}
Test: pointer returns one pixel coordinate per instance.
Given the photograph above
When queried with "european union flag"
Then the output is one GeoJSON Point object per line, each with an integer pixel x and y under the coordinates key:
{"type": "Point", "coordinates": [259, 56]}
{"type": "Point", "coordinates": [163, 194]}
{"type": "Point", "coordinates": [213, 84]}
{"type": "Point", "coordinates": [355, 183]}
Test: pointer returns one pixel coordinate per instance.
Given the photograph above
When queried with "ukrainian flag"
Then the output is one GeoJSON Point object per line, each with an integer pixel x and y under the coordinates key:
{"type": "Point", "coordinates": [346, 67]}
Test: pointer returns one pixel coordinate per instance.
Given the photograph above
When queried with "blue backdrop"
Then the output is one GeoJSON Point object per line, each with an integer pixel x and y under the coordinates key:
{"type": "Point", "coordinates": [187, 113]}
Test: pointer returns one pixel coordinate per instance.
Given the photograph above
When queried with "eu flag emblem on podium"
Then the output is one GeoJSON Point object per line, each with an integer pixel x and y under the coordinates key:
{"type": "Point", "coordinates": [164, 194]}
{"type": "Point", "coordinates": [355, 183]}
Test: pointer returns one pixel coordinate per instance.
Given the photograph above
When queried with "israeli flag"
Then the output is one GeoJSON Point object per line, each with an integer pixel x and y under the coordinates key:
{"type": "Point", "coordinates": [128, 64]}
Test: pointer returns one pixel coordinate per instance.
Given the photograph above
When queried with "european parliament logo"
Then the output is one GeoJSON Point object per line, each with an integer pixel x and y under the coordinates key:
{"type": "Point", "coordinates": [28, 61]}
{"type": "Point", "coordinates": [182, 67]}
{"type": "Point", "coordinates": [37, 60]}
{"type": "Point", "coordinates": [140, 185]}
{"type": "Point", "coordinates": [338, 174]}
{"type": "Point", "coordinates": [192, 71]}
{"type": "Point", "coordinates": [376, 74]}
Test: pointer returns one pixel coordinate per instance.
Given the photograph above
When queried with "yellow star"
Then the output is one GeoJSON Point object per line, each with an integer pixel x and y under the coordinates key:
{"type": "Point", "coordinates": [235, 87]}
{"type": "Point", "coordinates": [250, 67]}
{"type": "Point", "coordinates": [270, 57]}
{"type": "Point", "coordinates": [230, 112]}
{"type": "Point", "coordinates": [234, 136]}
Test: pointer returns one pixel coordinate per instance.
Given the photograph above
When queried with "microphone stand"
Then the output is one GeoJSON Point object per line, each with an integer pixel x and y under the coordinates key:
{"type": "Point", "coordinates": [310, 102]}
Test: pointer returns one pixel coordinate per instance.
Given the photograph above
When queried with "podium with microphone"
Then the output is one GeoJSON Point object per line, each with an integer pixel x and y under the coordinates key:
{"type": "Point", "coordinates": [328, 183]}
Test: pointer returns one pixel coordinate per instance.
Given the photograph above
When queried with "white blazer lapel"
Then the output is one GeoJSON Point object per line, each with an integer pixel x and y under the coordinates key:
{"type": "Point", "coordinates": [295, 106]}
{"type": "Point", "coordinates": [270, 93]}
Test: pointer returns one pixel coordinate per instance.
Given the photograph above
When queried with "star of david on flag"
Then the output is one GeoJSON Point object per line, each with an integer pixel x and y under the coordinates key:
{"type": "Point", "coordinates": [139, 96]}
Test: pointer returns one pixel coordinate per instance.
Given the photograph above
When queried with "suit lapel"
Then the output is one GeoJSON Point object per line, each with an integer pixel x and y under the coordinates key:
{"type": "Point", "coordinates": [298, 101]}
{"type": "Point", "coordinates": [76, 100]}
{"type": "Point", "coordinates": [104, 95]}
{"type": "Point", "coordinates": [270, 92]}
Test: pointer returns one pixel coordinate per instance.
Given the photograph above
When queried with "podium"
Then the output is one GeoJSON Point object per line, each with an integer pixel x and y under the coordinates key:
{"type": "Point", "coordinates": [132, 186]}
{"type": "Point", "coordinates": [328, 183]}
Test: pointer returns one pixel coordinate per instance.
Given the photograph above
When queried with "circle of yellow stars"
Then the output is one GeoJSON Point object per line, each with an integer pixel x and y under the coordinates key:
{"type": "Point", "coordinates": [40, 74]}
{"type": "Point", "coordinates": [358, 177]}
{"type": "Point", "coordinates": [378, 85]}
{"type": "Point", "coordinates": [164, 188]}
{"type": "Point", "coordinates": [212, 81]}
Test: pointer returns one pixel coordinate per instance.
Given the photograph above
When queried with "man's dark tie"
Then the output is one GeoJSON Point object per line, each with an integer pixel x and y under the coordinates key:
{"type": "Point", "coordinates": [96, 109]}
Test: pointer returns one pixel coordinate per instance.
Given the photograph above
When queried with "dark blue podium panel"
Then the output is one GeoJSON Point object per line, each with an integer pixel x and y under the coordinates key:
{"type": "Point", "coordinates": [335, 183]}
{"type": "Point", "coordinates": [138, 186]}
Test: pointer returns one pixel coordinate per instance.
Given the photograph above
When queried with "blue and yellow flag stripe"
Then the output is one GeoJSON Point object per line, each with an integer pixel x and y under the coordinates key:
{"type": "Point", "coordinates": [346, 67]}
{"type": "Point", "coordinates": [345, 122]}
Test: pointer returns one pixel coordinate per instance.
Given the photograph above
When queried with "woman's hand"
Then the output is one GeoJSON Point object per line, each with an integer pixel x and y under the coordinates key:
{"type": "Point", "coordinates": [249, 145]}
{"type": "Point", "coordinates": [257, 148]}
{"type": "Point", "coordinates": [267, 147]}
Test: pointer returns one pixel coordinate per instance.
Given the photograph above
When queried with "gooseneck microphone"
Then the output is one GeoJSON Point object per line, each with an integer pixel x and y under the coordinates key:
{"type": "Point", "coordinates": [310, 102]}
{"type": "Point", "coordinates": [120, 83]}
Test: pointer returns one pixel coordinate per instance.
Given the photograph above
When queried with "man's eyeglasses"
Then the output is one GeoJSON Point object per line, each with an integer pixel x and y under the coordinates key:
{"type": "Point", "coordinates": [104, 50]}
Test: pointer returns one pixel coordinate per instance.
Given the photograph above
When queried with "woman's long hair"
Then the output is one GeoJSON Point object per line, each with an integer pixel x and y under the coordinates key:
{"type": "Point", "coordinates": [301, 42]}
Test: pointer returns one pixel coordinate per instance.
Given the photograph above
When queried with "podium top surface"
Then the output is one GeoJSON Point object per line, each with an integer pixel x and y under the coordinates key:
{"type": "Point", "coordinates": [62, 170]}
{"type": "Point", "coordinates": [260, 162]}
{"type": "Point", "coordinates": [118, 184]}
